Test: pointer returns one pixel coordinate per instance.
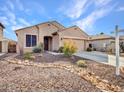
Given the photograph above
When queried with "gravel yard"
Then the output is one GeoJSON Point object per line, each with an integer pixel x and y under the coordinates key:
{"type": "Point", "coordinates": [15, 77]}
{"type": "Point", "coordinates": [29, 78]}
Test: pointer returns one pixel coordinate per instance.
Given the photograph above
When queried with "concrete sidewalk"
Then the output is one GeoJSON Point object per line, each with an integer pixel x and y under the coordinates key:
{"type": "Point", "coordinates": [100, 57]}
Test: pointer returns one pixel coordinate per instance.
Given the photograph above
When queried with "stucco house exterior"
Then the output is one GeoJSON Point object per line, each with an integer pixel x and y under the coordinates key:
{"type": "Point", "coordinates": [52, 34]}
{"type": "Point", "coordinates": [6, 45]}
{"type": "Point", "coordinates": [104, 42]}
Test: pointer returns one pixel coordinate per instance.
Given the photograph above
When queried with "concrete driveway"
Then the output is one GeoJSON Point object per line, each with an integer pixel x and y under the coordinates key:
{"type": "Point", "coordinates": [1, 54]}
{"type": "Point", "coordinates": [100, 57]}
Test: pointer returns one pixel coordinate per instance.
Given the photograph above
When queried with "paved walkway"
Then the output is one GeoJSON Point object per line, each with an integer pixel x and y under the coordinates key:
{"type": "Point", "coordinates": [2, 54]}
{"type": "Point", "coordinates": [100, 57]}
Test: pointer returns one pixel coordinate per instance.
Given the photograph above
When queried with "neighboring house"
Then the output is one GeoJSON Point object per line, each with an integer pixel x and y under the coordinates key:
{"type": "Point", "coordinates": [6, 45]}
{"type": "Point", "coordinates": [52, 34]}
{"type": "Point", "coordinates": [103, 42]}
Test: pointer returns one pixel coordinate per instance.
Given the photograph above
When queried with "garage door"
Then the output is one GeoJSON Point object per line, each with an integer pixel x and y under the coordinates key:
{"type": "Point", "coordinates": [79, 43]}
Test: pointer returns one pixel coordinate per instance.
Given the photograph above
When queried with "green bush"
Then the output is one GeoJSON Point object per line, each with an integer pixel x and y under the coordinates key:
{"type": "Point", "coordinates": [61, 49]}
{"type": "Point", "coordinates": [28, 56]}
{"type": "Point", "coordinates": [89, 49]}
{"type": "Point", "coordinates": [38, 49]}
{"type": "Point", "coordinates": [81, 63]}
{"type": "Point", "coordinates": [94, 49]}
{"type": "Point", "coordinates": [69, 48]}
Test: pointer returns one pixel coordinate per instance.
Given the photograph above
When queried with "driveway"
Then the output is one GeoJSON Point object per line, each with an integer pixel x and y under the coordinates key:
{"type": "Point", "coordinates": [1, 54]}
{"type": "Point", "coordinates": [100, 57]}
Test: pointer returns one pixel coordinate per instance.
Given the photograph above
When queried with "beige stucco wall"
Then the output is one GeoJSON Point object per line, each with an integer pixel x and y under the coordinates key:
{"type": "Point", "coordinates": [4, 42]}
{"type": "Point", "coordinates": [1, 33]}
{"type": "Point", "coordinates": [5, 46]}
{"type": "Point", "coordinates": [55, 44]}
{"type": "Point", "coordinates": [40, 31]}
{"type": "Point", "coordinates": [73, 32]}
{"type": "Point", "coordinates": [100, 44]}
{"type": "Point", "coordinates": [22, 39]}
{"type": "Point", "coordinates": [78, 43]}
{"type": "Point", "coordinates": [76, 33]}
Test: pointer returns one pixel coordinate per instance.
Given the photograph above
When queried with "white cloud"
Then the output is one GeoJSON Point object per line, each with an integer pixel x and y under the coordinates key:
{"type": "Point", "coordinates": [4, 20]}
{"type": "Point", "coordinates": [88, 22]}
{"type": "Point", "coordinates": [23, 21]}
{"type": "Point", "coordinates": [15, 27]}
{"type": "Point", "coordinates": [120, 8]}
{"type": "Point", "coordinates": [75, 9]}
{"type": "Point", "coordinates": [101, 2]}
{"type": "Point", "coordinates": [10, 15]}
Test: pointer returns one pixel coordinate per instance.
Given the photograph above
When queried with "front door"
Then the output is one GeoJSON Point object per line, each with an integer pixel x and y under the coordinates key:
{"type": "Point", "coordinates": [46, 43]}
{"type": "Point", "coordinates": [0, 46]}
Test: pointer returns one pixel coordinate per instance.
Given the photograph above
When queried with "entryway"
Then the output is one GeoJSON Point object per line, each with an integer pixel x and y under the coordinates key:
{"type": "Point", "coordinates": [48, 43]}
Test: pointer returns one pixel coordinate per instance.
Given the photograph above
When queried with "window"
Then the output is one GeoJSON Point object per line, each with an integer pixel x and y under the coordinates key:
{"type": "Point", "coordinates": [31, 40]}
{"type": "Point", "coordinates": [34, 40]}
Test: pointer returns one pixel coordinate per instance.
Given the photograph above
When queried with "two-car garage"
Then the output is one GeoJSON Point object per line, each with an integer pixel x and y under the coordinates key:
{"type": "Point", "coordinates": [79, 43]}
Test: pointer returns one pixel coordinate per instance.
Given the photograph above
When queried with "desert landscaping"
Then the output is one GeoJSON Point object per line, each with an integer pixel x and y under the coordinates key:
{"type": "Point", "coordinates": [56, 73]}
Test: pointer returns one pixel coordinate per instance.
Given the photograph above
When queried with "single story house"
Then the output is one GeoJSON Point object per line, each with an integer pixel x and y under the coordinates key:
{"type": "Point", "coordinates": [52, 35]}
{"type": "Point", "coordinates": [6, 45]}
{"type": "Point", "coordinates": [103, 42]}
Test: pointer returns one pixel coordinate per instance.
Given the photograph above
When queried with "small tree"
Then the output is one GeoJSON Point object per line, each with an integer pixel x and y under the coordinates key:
{"type": "Point", "coordinates": [69, 48]}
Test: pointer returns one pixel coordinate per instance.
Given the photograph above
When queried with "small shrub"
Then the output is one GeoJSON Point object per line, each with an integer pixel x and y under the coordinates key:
{"type": "Point", "coordinates": [69, 48]}
{"type": "Point", "coordinates": [94, 49]}
{"type": "Point", "coordinates": [38, 49]}
{"type": "Point", "coordinates": [122, 46]}
{"type": "Point", "coordinates": [89, 49]}
{"type": "Point", "coordinates": [61, 49]}
{"type": "Point", "coordinates": [81, 63]}
{"type": "Point", "coordinates": [28, 56]}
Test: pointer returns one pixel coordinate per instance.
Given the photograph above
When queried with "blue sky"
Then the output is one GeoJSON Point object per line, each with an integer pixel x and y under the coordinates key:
{"type": "Point", "coordinates": [93, 16]}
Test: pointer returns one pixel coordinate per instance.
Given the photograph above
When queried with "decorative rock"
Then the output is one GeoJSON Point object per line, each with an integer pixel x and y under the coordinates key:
{"type": "Point", "coordinates": [26, 61]}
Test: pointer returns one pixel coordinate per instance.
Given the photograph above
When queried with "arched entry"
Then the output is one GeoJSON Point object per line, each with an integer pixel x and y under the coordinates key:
{"type": "Point", "coordinates": [11, 47]}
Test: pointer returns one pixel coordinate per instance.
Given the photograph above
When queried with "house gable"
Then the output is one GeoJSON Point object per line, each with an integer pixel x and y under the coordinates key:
{"type": "Point", "coordinates": [73, 31]}
{"type": "Point", "coordinates": [60, 26]}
